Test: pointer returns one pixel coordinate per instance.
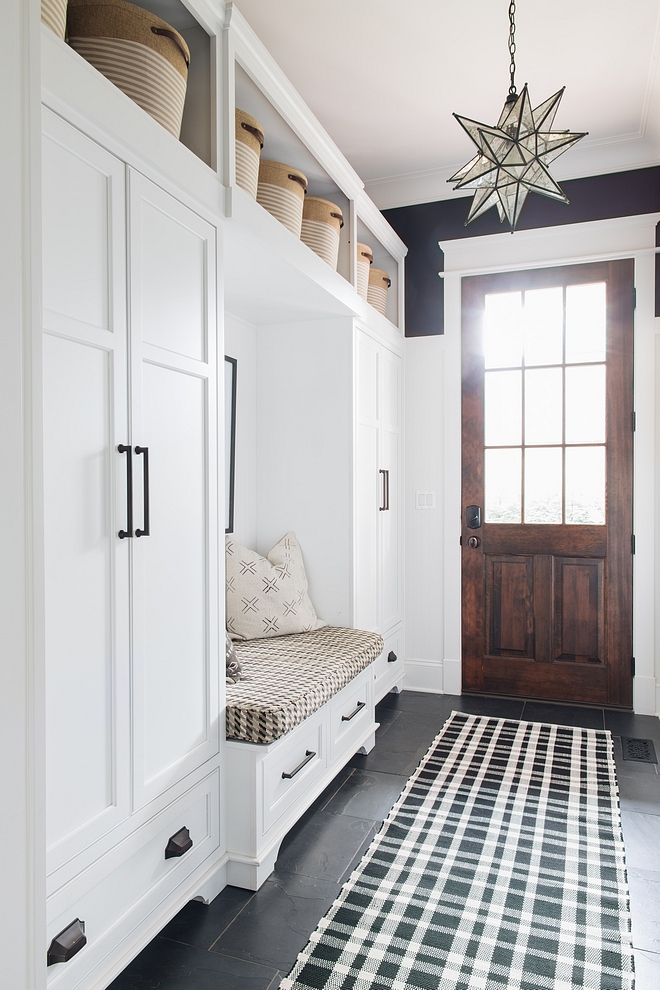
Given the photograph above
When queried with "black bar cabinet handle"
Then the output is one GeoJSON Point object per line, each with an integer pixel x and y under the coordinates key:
{"type": "Point", "coordinates": [128, 532]}
{"type": "Point", "coordinates": [308, 756]}
{"type": "Point", "coordinates": [360, 706]}
{"type": "Point", "coordinates": [145, 490]}
{"type": "Point", "coordinates": [387, 490]}
{"type": "Point", "coordinates": [383, 505]}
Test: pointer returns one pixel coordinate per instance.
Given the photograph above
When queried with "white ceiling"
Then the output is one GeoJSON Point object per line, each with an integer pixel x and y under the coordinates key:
{"type": "Point", "coordinates": [383, 77]}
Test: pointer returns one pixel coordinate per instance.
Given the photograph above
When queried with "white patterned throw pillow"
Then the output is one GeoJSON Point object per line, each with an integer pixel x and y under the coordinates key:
{"type": "Point", "coordinates": [267, 596]}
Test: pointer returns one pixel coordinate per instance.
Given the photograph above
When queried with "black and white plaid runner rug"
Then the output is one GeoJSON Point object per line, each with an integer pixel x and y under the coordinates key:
{"type": "Point", "coordinates": [501, 866]}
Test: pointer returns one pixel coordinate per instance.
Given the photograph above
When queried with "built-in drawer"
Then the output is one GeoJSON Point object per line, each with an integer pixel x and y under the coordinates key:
{"type": "Point", "coordinates": [134, 872]}
{"type": "Point", "coordinates": [351, 712]}
{"type": "Point", "coordinates": [389, 667]}
{"type": "Point", "coordinates": [292, 767]}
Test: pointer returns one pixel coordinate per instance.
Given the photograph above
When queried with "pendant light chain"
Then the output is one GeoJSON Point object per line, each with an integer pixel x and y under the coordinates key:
{"type": "Point", "coordinates": [512, 46]}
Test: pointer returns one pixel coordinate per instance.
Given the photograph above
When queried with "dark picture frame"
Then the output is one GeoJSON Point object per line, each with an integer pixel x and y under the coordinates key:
{"type": "Point", "coordinates": [231, 370]}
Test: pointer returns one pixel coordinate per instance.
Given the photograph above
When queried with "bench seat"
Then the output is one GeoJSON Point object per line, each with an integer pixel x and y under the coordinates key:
{"type": "Point", "coordinates": [291, 677]}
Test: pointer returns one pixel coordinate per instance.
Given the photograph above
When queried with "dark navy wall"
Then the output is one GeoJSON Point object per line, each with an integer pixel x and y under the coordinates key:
{"type": "Point", "coordinates": [598, 197]}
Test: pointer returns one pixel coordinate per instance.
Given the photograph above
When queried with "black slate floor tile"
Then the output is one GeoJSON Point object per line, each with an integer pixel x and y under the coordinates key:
{"type": "Point", "coordinates": [637, 726]}
{"type": "Point", "coordinates": [200, 924]}
{"type": "Point", "coordinates": [645, 909]}
{"type": "Point", "coordinates": [641, 834]}
{"type": "Point", "coordinates": [586, 718]}
{"type": "Point", "coordinates": [639, 792]}
{"type": "Point", "coordinates": [386, 715]}
{"type": "Point", "coordinates": [277, 922]}
{"type": "Point", "coordinates": [415, 701]}
{"type": "Point", "coordinates": [647, 970]}
{"type": "Point", "coordinates": [473, 705]}
{"type": "Point", "coordinates": [367, 794]}
{"type": "Point", "coordinates": [324, 845]}
{"type": "Point", "coordinates": [403, 745]}
{"type": "Point", "coordinates": [170, 965]}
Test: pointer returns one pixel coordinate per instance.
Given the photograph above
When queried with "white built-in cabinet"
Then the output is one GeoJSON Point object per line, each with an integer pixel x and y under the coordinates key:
{"type": "Point", "coordinates": [131, 544]}
{"type": "Point", "coordinates": [147, 243]}
{"type": "Point", "coordinates": [379, 491]}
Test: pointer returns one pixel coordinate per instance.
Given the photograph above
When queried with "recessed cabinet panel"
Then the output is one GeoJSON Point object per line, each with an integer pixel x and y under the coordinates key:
{"type": "Point", "coordinates": [85, 417]}
{"type": "Point", "coordinates": [367, 562]}
{"type": "Point", "coordinates": [80, 571]}
{"type": "Point", "coordinates": [174, 415]}
{"type": "Point", "coordinates": [173, 282]}
{"type": "Point", "coordinates": [367, 383]}
{"type": "Point", "coordinates": [77, 198]}
{"type": "Point", "coordinates": [175, 591]}
{"type": "Point", "coordinates": [390, 371]}
{"type": "Point", "coordinates": [391, 563]}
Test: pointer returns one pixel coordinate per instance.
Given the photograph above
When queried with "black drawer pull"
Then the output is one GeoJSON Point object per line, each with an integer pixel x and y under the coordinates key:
{"type": "Point", "coordinates": [360, 706]}
{"type": "Point", "coordinates": [308, 756]}
{"type": "Point", "coordinates": [178, 844]}
{"type": "Point", "coordinates": [128, 532]}
{"type": "Point", "coordinates": [69, 941]}
{"type": "Point", "coordinates": [392, 657]}
{"type": "Point", "coordinates": [145, 490]}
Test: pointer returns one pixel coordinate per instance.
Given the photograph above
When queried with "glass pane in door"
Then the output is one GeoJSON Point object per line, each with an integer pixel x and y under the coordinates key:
{"type": "Point", "coordinates": [503, 485]}
{"type": "Point", "coordinates": [543, 478]}
{"type": "Point", "coordinates": [543, 406]}
{"type": "Point", "coordinates": [585, 485]}
{"type": "Point", "coordinates": [503, 408]}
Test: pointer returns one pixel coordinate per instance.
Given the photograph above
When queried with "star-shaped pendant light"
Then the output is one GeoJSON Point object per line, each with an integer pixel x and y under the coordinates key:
{"type": "Point", "coordinates": [513, 156]}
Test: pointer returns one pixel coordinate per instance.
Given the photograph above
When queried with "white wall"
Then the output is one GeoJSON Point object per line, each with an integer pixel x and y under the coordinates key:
{"type": "Point", "coordinates": [433, 647]}
{"type": "Point", "coordinates": [305, 453]}
{"type": "Point", "coordinates": [424, 472]}
{"type": "Point", "coordinates": [241, 343]}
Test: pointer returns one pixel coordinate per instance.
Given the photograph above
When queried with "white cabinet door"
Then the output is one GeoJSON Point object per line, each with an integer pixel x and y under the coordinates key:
{"type": "Point", "coordinates": [391, 519]}
{"type": "Point", "coordinates": [368, 488]}
{"type": "Point", "coordinates": [378, 514]}
{"type": "Point", "coordinates": [85, 418]}
{"type": "Point", "coordinates": [174, 415]}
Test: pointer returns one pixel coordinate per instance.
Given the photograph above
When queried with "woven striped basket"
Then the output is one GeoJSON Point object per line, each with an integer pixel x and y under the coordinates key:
{"type": "Point", "coordinates": [249, 142]}
{"type": "Point", "coordinates": [53, 15]}
{"type": "Point", "coordinates": [365, 259]}
{"type": "Point", "coordinates": [379, 283]}
{"type": "Point", "coordinates": [321, 223]}
{"type": "Point", "coordinates": [137, 51]}
{"type": "Point", "coordinates": [281, 191]}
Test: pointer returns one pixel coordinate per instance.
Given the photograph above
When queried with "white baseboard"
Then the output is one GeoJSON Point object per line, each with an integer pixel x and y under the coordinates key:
{"type": "Point", "coordinates": [213, 884]}
{"type": "Point", "coordinates": [425, 676]}
{"type": "Point", "coordinates": [452, 676]}
{"type": "Point", "coordinates": [644, 696]}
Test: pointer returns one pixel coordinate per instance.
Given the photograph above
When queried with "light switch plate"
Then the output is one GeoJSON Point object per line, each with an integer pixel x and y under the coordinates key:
{"type": "Point", "coordinates": [425, 500]}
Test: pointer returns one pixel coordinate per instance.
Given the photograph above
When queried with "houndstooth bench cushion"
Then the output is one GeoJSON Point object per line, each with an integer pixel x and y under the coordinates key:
{"type": "Point", "coordinates": [293, 676]}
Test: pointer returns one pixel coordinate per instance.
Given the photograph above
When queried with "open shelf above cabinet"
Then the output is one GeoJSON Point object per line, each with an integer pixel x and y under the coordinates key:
{"type": "Point", "coordinates": [271, 275]}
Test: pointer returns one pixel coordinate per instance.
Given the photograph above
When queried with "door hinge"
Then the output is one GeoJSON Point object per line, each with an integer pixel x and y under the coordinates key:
{"type": "Point", "coordinates": [460, 541]}
{"type": "Point", "coordinates": [634, 298]}
{"type": "Point", "coordinates": [634, 421]}
{"type": "Point", "coordinates": [632, 665]}
{"type": "Point", "coordinates": [632, 544]}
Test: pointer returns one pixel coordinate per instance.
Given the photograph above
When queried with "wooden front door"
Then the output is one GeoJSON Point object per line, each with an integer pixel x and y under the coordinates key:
{"type": "Point", "coordinates": [547, 483]}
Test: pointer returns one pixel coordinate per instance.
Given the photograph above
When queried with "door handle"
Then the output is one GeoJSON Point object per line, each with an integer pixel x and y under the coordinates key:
{"type": "Point", "coordinates": [128, 532]}
{"type": "Point", "coordinates": [385, 490]}
{"type": "Point", "coordinates": [145, 490]}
